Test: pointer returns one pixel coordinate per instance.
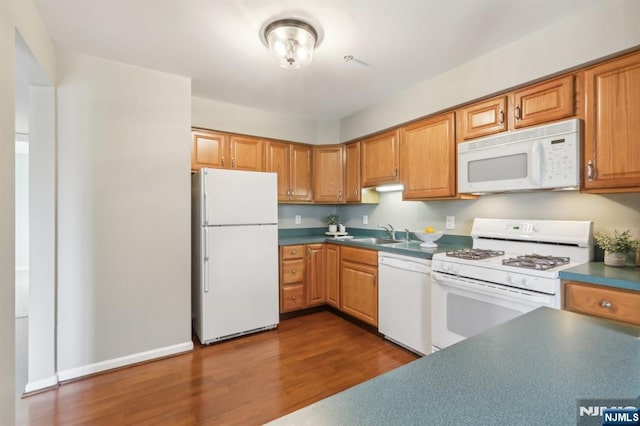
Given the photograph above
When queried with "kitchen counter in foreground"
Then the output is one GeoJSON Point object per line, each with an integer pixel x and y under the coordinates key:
{"type": "Point", "coordinates": [530, 370]}
{"type": "Point", "coordinates": [627, 277]}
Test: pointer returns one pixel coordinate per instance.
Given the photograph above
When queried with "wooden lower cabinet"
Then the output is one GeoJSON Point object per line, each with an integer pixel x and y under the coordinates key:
{"type": "Point", "coordinates": [302, 277]}
{"type": "Point", "coordinates": [316, 274]}
{"type": "Point", "coordinates": [359, 284]}
{"type": "Point", "coordinates": [605, 302]}
{"type": "Point", "coordinates": [333, 275]}
{"type": "Point", "coordinates": [292, 275]}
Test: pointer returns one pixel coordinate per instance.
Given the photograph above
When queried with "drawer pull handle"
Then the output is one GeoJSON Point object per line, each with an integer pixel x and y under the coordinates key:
{"type": "Point", "coordinates": [293, 298]}
{"type": "Point", "coordinates": [605, 304]}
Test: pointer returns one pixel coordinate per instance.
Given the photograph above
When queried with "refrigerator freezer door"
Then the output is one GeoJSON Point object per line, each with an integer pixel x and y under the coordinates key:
{"type": "Point", "coordinates": [236, 197]}
{"type": "Point", "coordinates": [242, 288]}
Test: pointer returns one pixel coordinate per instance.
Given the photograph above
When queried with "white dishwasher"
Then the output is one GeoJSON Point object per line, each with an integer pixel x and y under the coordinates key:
{"type": "Point", "coordinates": [404, 301]}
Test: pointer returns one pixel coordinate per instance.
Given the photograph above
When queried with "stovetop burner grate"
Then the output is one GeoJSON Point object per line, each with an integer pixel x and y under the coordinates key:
{"type": "Point", "coordinates": [536, 261]}
{"type": "Point", "coordinates": [475, 254]}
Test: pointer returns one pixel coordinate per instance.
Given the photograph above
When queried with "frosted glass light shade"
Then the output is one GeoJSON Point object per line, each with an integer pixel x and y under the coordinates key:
{"type": "Point", "coordinates": [291, 42]}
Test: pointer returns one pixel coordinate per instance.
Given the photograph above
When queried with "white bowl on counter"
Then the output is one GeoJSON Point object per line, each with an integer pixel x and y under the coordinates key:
{"type": "Point", "coordinates": [428, 238]}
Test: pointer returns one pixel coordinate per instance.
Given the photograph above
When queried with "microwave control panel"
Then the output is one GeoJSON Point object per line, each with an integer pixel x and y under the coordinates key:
{"type": "Point", "coordinates": [559, 155]}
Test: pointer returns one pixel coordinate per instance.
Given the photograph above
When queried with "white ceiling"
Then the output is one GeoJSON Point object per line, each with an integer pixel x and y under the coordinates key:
{"type": "Point", "coordinates": [396, 43]}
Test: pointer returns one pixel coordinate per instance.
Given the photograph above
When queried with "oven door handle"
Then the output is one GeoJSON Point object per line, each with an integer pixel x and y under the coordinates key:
{"type": "Point", "coordinates": [484, 289]}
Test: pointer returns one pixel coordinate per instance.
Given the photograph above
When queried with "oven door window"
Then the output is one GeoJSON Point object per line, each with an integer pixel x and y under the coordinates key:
{"type": "Point", "coordinates": [467, 317]}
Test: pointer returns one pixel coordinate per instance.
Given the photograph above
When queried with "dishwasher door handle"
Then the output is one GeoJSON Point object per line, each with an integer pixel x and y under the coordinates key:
{"type": "Point", "coordinates": [405, 265]}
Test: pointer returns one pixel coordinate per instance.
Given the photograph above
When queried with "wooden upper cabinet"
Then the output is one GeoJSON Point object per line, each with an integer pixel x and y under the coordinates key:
{"type": "Point", "coordinates": [247, 153]}
{"type": "Point", "coordinates": [292, 163]}
{"type": "Point", "coordinates": [277, 161]}
{"type": "Point", "coordinates": [352, 172]}
{"type": "Point", "coordinates": [380, 159]}
{"type": "Point", "coordinates": [300, 177]}
{"type": "Point", "coordinates": [209, 149]}
{"type": "Point", "coordinates": [328, 173]}
{"type": "Point", "coordinates": [544, 102]}
{"type": "Point", "coordinates": [482, 118]}
{"type": "Point", "coordinates": [428, 158]}
{"type": "Point", "coordinates": [612, 126]}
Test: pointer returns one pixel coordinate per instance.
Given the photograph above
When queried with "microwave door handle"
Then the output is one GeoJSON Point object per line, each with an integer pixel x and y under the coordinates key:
{"type": "Point", "coordinates": [536, 162]}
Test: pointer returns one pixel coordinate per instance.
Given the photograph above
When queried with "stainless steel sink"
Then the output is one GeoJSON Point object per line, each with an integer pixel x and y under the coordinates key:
{"type": "Point", "coordinates": [375, 240]}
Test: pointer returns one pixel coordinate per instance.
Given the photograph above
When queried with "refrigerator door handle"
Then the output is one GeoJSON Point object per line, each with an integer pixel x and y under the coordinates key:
{"type": "Point", "coordinates": [205, 219]}
{"type": "Point", "coordinates": [205, 274]}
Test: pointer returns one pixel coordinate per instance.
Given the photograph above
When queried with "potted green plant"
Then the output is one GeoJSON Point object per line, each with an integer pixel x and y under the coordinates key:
{"type": "Point", "coordinates": [333, 220]}
{"type": "Point", "coordinates": [615, 247]}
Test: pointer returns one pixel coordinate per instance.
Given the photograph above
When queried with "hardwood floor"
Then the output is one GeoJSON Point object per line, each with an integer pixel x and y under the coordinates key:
{"type": "Point", "coordinates": [249, 380]}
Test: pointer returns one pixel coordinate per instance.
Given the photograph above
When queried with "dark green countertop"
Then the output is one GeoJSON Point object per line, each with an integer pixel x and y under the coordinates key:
{"type": "Point", "coordinates": [627, 277]}
{"type": "Point", "coordinates": [530, 370]}
{"type": "Point", "coordinates": [289, 237]}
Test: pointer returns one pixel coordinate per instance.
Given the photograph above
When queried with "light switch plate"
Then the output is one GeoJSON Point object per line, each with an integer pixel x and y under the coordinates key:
{"type": "Point", "coordinates": [451, 222]}
{"type": "Point", "coordinates": [365, 219]}
{"type": "Point", "coordinates": [298, 219]}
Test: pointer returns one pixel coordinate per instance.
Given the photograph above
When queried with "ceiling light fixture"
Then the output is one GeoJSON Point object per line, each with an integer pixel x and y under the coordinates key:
{"type": "Point", "coordinates": [291, 42]}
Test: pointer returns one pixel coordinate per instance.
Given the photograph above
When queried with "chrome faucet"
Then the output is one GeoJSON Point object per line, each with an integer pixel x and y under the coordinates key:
{"type": "Point", "coordinates": [390, 230]}
{"type": "Point", "coordinates": [408, 236]}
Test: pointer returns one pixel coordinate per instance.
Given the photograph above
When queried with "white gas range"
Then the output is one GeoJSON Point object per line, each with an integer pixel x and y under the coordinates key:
{"type": "Point", "coordinates": [512, 268]}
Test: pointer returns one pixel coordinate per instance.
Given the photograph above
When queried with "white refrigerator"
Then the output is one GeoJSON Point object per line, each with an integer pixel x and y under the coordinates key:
{"type": "Point", "coordinates": [234, 253]}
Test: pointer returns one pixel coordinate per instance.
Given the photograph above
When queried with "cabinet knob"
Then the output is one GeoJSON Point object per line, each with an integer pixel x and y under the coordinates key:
{"type": "Point", "coordinates": [293, 271]}
{"type": "Point", "coordinates": [605, 304]}
{"type": "Point", "coordinates": [293, 252]}
{"type": "Point", "coordinates": [293, 298]}
{"type": "Point", "coordinates": [340, 194]}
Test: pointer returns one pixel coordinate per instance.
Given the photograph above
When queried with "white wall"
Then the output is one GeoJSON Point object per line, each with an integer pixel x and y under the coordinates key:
{"type": "Point", "coordinates": [595, 33]}
{"type": "Point", "coordinates": [621, 211]}
{"type": "Point", "coordinates": [22, 228]}
{"type": "Point", "coordinates": [42, 244]}
{"type": "Point", "coordinates": [123, 214]}
{"type": "Point", "coordinates": [20, 15]}
{"type": "Point", "coordinates": [210, 114]}
{"type": "Point", "coordinates": [7, 231]}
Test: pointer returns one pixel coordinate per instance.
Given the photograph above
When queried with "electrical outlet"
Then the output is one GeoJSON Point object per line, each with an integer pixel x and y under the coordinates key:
{"type": "Point", "coordinates": [365, 219]}
{"type": "Point", "coordinates": [298, 219]}
{"type": "Point", "coordinates": [451, 222]}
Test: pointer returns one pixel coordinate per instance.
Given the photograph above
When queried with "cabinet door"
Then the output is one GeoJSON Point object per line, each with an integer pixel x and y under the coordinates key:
{"type": "Point", "coordinates": [612, 126]}
{"type": "Point", "coordinates": [428, 158]}
{"type": "Point", "coordinates": [316, 275]}
{"type": "Point", "coordinates": [544, 102]}
{"type": "Point", "coordinates": [482, 118]}
{"type": "Point", "coordinates": [247, 153]}
{"type": "Point", "coordinates": [352, 173]}
{"type": "Point", "coordinates": [359, 291]}
{"type": "Point", "coordinates": [333, 275]}
{"type": "Point", "coordinates": [380, 159]}
{"type": "Point", "coordinates": [277, 160]}
{"type": "Point", "coordinates": [208, 149]}
{"type": "Point", "coordinates": [328, 176]}
{"type": "Point", "coordinates": [300, 173]}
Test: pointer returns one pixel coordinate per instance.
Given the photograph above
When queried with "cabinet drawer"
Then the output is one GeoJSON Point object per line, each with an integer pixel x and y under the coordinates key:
{"type": "Point", "coordinates": [619, 305]}
{"type": "Point", "coordinates": [292, 271]}
{"type": "Point", "coordinates": [368, 257]}
{"type": "Point", "coordinates": [292, 252]}
{"type": "Point", "coordinates": [292, 297]}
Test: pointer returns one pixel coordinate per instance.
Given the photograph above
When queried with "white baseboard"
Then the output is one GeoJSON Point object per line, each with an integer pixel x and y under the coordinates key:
{"type": "Point", "coordinates": [85, 370]}
{"type": "Point", "coordinates": [49, 382]}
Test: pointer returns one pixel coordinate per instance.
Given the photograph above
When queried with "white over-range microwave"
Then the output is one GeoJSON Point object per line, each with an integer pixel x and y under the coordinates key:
{"type": "Point", "coordinates": [541, 157]}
